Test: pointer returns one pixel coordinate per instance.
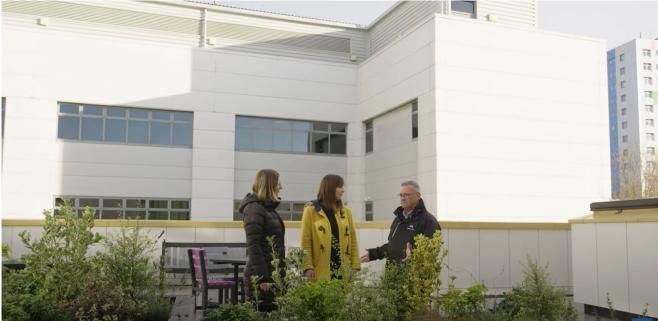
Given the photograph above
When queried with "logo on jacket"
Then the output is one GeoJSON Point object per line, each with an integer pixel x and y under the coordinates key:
{"type": "Point", "coordinates": [411, 227]}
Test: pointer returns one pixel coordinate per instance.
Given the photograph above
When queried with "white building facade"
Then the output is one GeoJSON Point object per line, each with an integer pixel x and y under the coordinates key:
{"type": "Point", "coordinates": [633, 99]}
{"type": "Point", "coordinates": [166, 110]}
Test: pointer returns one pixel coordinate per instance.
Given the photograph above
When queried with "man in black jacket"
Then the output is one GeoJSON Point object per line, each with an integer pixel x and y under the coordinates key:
{"type": "Point", "coordinates": [411, 219]}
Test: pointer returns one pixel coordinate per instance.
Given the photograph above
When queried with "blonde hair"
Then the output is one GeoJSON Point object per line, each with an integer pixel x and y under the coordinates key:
{"type": "Point", "coordinates": [266, 185]}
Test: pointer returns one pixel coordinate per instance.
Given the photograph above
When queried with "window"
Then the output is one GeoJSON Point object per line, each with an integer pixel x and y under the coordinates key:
{"type": "Point", "coordinates": [123, 125]}
{"type": "Point", "coordinates": [625, 152]}
{"type": "Point", "coordinates": [646, 52]}
{"type": "Point", "coordinates": [117, 208]}
{"type": "Point", "coordinates": [621, 57]}
{"type": "Point", "coordinates": [288, 210]}
{"type": "Point", "coordinates": [651, 151]}
{"type": "Point", "coordinates": [464, 7]}
{"type": "Point", "coordinates": [624, 139]}
{"type": "Point", "coordinates": [651, 164]}
{"type": "Point", "coordinates": [623, 98]}
{"type": "Point", "coordinates": [622, 71]}
{"type": "Point", "coordinates": [369, 211]}
{"type": "Point", "coordinates": [648, 81]}
{"type": "Point", "coordinates": [623, 111]}
{"type": "Point", "coordinates": [414, 119]}
{"type": "Point", "coordinates": [369, 137]}
{"type": "Point", "coordinates": [623, 84]}
{"type": "Point", "coordinates": [646, 66]}
{"type": "Point", "coordinates": [651, 137]}
{"type": "Point", "coordinates": [649, 122]}
{"type": "Point", "coordinates": [648, 94]}
{"type": "Point", "coordinates": [648, 108]}
{"type": "Point", "coordinates": [624, 125]}
{"type": "Point", "coordinates": [289, 136]}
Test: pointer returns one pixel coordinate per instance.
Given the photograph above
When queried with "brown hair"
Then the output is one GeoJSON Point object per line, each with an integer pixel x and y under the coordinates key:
{"type": "Point", "coordinates": [327, 192]}
{"type": "Point", "coordinates": [266, 185]}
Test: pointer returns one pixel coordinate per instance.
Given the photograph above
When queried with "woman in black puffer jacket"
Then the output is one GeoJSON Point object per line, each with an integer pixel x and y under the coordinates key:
{"type": "Point", "coordinates": [261, 221]}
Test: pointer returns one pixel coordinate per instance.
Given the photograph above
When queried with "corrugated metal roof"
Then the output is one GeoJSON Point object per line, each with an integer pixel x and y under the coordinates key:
{"type": "Point", "coordinates": [319, 20]}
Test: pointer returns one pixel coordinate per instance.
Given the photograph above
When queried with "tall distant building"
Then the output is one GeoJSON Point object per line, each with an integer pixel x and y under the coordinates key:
{"type": "Point", "coordinates": [633, 100]}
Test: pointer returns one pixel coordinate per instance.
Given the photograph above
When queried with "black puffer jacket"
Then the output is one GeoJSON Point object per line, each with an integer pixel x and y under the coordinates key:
{"type": "Point", "coordinates": [260, 222]}
{"type": "Point", "coordinates": [403, 231]}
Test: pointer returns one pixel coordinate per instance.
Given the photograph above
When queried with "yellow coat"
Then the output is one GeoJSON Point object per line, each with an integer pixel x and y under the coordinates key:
{"type": "Point", "coordinates": [316, 239]}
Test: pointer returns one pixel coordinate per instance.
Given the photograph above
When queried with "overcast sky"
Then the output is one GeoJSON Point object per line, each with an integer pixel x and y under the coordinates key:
{"type": "Point", "coordinates": [615, 21]}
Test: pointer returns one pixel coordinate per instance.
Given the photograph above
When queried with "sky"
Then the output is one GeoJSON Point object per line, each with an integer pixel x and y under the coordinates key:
{"type": "Point", "coordinates": [617, 22]}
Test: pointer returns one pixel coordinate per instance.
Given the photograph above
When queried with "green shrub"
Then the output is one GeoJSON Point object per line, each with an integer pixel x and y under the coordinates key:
{"type": "Point", "coordinates": [393, 282]}
{"type": "Point", "coordinates": [537, 299]}
{"type": "Point", "coordinates": [365, 302]}
{"type": "Point", "coordinates": [233, 312]}
{"type": "Point", "coordinates": [6, 251]}
{"type": "Point", "coordinates": [17, 300]}
{"type": "Point", "coordinates": [425, 266]}
{"type": "Point", "coordinates": [126, 264]}
{"type": "Point", "coordinates": [62, 282]}
{"type": "Point", "coordinates": [464, 305]}
{"type": "Point", "coordinates": [57, 265]}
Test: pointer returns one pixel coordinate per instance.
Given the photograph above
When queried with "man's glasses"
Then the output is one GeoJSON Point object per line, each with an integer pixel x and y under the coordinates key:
{"type": "Point", "coordinates": [405, 195]}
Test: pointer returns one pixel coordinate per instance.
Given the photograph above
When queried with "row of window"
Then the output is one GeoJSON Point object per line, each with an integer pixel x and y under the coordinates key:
{"type": "Point", "coordinates": [289, 136]}
{"type": "Point", "coordinates": [288, 210]}
{"type": "Point", "coordinates": [647, 81]}
{"type": "Point", "coordinates": [649, 136]}
{"type": "Point", "coordinates": [124, 125]}
{"type": "Point", "coordinates": [116, 208]}
{"type": "Point", "coordinates": [293, 210]}
{"type": "Point", "coordinates": [647, 95]}
{"type": "Point", "coordinates": [649, 122]}
{"type": "Point", "coordinates": [138, 126]}
{"type": "Point", "coordinates": [651, 151]}
{"type": "Point", "coordinates": [645, 53]}
{"type": "Point", "coordinates": [647, 108]}
{"type": "Point", "coordinates": [645, 66]}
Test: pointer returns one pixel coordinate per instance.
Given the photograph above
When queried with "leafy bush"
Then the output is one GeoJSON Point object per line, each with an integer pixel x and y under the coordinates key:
{"type": "Point", "coordinates": [425, 266]}
{"type": "Point", "coordinates": [369, 303]}
{"type": "Point", "coordinates": [393, 282]}
{"type": "Point", "coordinates": [126, 264]}
{"type": "Point", "coordinates": [6, 251]}
{"type": "Point", "coordinates": [536, 299]}
{"type": "Point", "coordinates": [17, 302]}
{"type": "Point", "coordinates": [57, 267]}
{"type": "Point", "coordinates": [233, 312]}
{"type": "Point", "coordinates": [62, 282]}
{"type": "Point", "coordinates": [463, 305]}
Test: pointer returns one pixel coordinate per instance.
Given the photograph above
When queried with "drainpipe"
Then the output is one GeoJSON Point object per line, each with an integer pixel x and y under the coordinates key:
{"type": "Point", "coordinates": [204, 28]}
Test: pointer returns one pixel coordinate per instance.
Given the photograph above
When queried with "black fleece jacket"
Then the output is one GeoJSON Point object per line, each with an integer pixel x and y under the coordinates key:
{"type": "Point", "coordinates": [403, 231]}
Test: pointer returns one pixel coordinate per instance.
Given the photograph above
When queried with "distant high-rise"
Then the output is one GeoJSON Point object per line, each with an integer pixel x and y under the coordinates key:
{"type": "Point", "coordinates": [633, 99]}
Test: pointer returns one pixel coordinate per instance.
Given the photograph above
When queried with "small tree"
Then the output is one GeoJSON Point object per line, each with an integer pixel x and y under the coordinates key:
{"type": "Point", "coordinates": [638, 176]}
{"type": "Point", "coordinates": [537, 299]}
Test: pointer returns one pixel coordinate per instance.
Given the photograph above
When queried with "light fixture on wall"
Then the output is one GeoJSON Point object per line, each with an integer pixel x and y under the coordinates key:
{"type": "Point", "coordinates": [492, 18]}
{"type": "Point", "coordinates": [354, 58]}
{"type": "Point", "coordinates": [211, 41]}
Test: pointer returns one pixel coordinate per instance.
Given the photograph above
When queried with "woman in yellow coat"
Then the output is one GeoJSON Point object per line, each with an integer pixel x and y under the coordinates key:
{"type": "Point", "coordinates": [328, 233]}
